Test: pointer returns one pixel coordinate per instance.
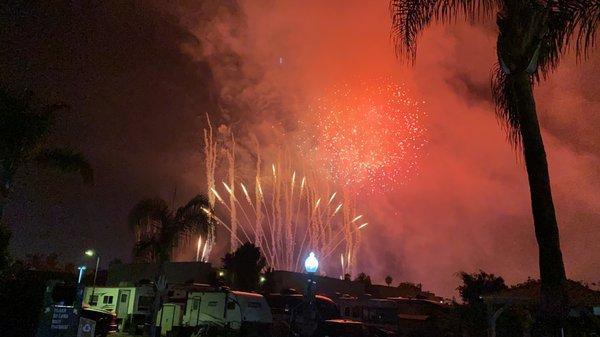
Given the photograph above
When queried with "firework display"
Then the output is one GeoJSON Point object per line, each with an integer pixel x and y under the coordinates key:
{"type": "Point", "coordinates": [368, 135]}
{"type": "Point", "coordinates": [283, 212]}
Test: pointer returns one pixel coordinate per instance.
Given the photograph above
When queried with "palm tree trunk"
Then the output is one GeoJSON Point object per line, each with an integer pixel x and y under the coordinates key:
{"type": "Point", "coordinates": [553, 299]}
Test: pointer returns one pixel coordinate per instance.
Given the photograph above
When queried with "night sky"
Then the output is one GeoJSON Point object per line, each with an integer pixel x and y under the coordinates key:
{"type": "Point", "coordinates": [139, 77]}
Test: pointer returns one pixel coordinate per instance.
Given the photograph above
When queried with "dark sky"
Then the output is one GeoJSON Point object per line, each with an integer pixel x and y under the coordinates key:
{"type": "Point", "coordinates": [134, 103]}
{"type": "Point", "coordinates": [139, 77]}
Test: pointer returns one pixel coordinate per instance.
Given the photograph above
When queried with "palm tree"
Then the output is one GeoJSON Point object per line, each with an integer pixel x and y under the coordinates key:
{"type": "Point", "coordinates": [24, 129]}
{"type": "Point", "coordinates": [159, 230]}
{"type": "Point", "coordinates": [533, 35]}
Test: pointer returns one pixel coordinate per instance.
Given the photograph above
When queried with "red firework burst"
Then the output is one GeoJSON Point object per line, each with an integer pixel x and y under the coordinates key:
{"type": "Point", "coordinates": [369, 136]}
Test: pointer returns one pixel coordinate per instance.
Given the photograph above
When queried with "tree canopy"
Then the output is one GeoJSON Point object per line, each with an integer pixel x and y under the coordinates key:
{"type": "Point", "coordinates": [243, 267]}
{"type": "Point", "coordinates": [159, 230]}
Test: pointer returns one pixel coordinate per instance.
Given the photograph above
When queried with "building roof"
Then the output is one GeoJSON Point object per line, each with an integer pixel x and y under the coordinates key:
{"type": "Point", "coordinates": [579, 294]}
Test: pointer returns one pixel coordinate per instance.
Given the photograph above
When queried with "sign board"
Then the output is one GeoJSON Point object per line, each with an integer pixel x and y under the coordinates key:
{"type": "Point", "coordinates": [86, 327]}
{"type": "Point", "coordinates": [56, 318]}
{"type": "Point", "coordinates": [63, 320]}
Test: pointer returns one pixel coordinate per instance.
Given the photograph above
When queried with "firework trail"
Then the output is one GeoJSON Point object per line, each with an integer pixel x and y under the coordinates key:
{"type": "Point", "coordinates": [230, 153]}
{"type": "Point", "coordinates": [286, 216]}
{"type": "Point", "coordinates": [210, 155]}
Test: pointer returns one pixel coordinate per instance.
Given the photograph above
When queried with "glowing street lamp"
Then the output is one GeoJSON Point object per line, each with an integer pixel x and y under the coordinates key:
{"type": "Point", "coordinates": [311, 264]}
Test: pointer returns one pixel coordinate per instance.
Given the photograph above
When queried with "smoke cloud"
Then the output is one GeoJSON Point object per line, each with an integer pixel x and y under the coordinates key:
{"type": "Point", "coordinates": [140, 78]}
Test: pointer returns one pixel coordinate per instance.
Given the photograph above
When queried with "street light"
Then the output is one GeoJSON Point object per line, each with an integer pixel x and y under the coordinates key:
{"type": "Point", "coordinates": [91, 253]}
{"type": "Point", "coordinates": [311, 264]}
{"type": "Point", "coordinates": [81, 271]}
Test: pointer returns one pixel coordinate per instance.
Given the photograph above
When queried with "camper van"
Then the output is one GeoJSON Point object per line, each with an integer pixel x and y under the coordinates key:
{"type": "Point", "coordinates": [235, 310]}
{"type": "Point", "coordinates": [130, 304]}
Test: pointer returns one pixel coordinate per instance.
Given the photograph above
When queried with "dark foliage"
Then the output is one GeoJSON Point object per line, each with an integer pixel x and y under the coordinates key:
{"type": "Point", "coordinates": [159, 230]}
{"type": "Point", "coordinates": [364, 279]}
{"type": "Point", "coordinates": [24, 128]}
{"type": "Point", "coordinates": [475, 285]}
{"type": "Point", "coordinates": [243, 267]}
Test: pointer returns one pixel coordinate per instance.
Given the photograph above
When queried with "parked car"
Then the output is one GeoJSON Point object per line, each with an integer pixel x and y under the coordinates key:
{"type": "Point", "coordinates": [106, 321]}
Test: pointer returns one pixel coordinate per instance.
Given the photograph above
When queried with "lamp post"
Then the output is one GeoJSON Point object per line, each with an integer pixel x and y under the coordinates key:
{"type": "Point", "coordinates": [92, 253]}
{"type": "Point", "coordinates": [304, 321]}
{"type": "Point", "coordinates": [311, 264]}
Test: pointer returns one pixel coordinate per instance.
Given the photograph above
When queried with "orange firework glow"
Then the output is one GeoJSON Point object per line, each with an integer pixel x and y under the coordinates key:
{"type": "Point", "coordinates": [369, 136]}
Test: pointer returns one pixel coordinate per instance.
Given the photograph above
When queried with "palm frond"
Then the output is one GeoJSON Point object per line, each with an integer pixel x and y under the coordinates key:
{"type": "Point", "coordinates": [569, 22]}
{"type": "Point", "coordinates": [24, 124]}
{"type": "Point", "coordinates": [66, 160]}
{"type": "Point", "coordinates": [147, 211]}
{"type": "Point", "coordinates": [146, 249]}
{"type": "Point", "coordinates": [411, 17]}
{"type": "Point", "coordinates": [585, 23]}
{"type": "Point", "coordinates": [193, 217]}
{"type": "Point", "coordinates": [507, 111]}
{"type": "Point", "coordinates": [473, 10]}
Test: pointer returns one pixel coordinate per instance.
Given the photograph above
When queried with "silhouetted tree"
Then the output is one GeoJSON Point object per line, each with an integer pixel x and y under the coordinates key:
{"type": "Point", "coordinates": [364, 279]}
{"type": "Point", "coordinates": [532, 38]}
{"type": "Point", "coordinates": [159, 230]}
{"type": "Point", "coordinates": [24, 128]}
{"type": "Point", "coordinates": [410, 289]}
{"type": "Point", "coordinates": [347, 277]}
{"type": "Point", "coordinates": [388, 280]}
{"type": "Point", "coordinates": [243, 267]}
{"type": "Point", "coordinates": [475, 285]}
